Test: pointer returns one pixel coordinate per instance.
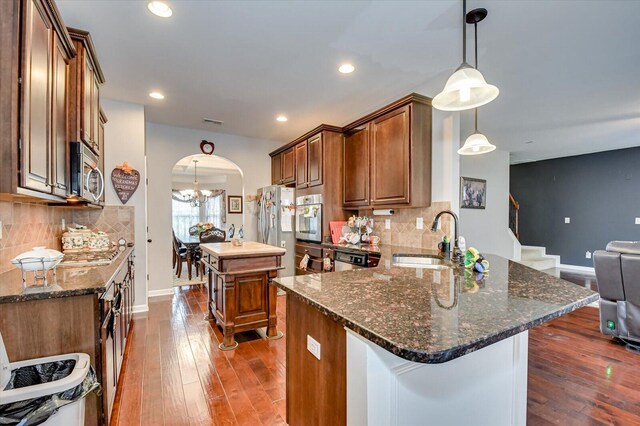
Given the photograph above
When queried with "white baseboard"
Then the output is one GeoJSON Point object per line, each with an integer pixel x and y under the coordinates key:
{"type": "Point", "coordinates": [577, 268]}
{"type": "Point", "coordinates": [140, 308]}
{"type": "Point", "coordinates": [162, 292]}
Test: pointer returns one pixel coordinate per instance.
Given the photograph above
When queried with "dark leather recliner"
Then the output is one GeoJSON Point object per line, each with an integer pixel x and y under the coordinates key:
{"type": "Point", "coordinates": [618, 275]}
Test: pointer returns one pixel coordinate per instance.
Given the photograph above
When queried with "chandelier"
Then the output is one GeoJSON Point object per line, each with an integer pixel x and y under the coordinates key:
{"type": "Point", "coordinates": [196, 196]}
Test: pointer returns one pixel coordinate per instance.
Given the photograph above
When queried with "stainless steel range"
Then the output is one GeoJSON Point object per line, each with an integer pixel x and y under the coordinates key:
{"type": "Point", "coordinates": [89, 258]}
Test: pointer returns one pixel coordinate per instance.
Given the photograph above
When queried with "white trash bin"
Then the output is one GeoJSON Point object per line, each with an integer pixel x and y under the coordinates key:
{"type": "Point", "coordinates": [71, 414]}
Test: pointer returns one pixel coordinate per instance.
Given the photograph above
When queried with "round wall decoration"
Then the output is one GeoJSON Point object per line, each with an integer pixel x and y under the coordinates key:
{"type": "Point", "coordinates": [207, 147]}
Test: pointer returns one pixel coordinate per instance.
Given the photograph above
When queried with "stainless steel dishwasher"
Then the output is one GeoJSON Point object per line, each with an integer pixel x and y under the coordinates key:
{"type": "Point", "coordinates": [347, 260]}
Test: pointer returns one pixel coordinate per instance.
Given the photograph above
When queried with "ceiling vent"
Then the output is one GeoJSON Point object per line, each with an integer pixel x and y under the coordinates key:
{"type": "Point", "coordinates": [212, 121]}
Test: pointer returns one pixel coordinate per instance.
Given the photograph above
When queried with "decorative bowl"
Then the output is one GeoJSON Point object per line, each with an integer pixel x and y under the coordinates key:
{"type": "Point", "coordinates": [40, 258]}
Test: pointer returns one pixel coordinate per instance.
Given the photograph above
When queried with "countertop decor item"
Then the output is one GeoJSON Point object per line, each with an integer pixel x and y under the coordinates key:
{"type": "Point", "coordinates": [357, 229]}
{"type": "Point", "coordinates": [39, 261]}
{"type": "Point", "coordinates": [125, 180]}
{"type": "Point", "coordinates": [80, 238]}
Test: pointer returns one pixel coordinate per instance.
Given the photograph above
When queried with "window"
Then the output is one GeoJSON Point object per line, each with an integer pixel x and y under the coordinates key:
{"type": "Point", "coordinates": [215, 210]}
{"type": "Point", "coordinates": [185, 216]}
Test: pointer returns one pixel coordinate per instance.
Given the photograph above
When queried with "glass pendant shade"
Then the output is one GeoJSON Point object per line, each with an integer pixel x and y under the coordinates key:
{"type": "Point", "coordinates": [476, 144]}
{"type": "Point", "coordinates": [465, 89]}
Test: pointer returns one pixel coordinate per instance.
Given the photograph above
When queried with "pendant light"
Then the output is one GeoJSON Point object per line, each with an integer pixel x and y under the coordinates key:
{"type": "Point", "coordinates": [477, 143]}
{"type": "Point", "coordinates": [466, 88]}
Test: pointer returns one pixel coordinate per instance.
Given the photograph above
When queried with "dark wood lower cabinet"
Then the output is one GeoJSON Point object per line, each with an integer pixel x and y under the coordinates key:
{"type": "Point", "coordinates": [94, 324]}
{"type": "Point", "coordinates": [316, 255]}
{"type": "Point", "coordinates": [316, 388]}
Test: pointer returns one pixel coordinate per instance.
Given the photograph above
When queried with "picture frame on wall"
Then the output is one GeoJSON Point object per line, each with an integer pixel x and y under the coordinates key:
{"type": "Point", "coordinates": [473, 193]}
{"type": "Point", "coordinates": [234, 203]}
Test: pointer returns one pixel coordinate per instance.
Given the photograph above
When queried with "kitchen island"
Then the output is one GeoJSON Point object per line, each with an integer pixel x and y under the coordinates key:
{"type": "Point", "coordinates": [404, 345]}
{"type": "Point", "coordinates": [240, 295]}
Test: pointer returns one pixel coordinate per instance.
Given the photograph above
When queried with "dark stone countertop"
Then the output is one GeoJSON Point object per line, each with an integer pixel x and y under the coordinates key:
{"type": "Point", "coordinates": [71, 281]}
{"type": "Point", "coordinates": [432, 316]}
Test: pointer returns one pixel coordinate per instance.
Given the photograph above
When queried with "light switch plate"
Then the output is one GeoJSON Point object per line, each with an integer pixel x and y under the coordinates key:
{"type": "Point", "coordinates": [567, 220]}
{"type": "Point", "coordinates": [419, 223]}
{"type": "Point", "coordinates": [587, 255]}
{"type": "Point", "coordinates": [637, 220]}
{"type": "Point", "coordinates": [313, 346]}
{"type": "Point", "coordinates": [387, 223]}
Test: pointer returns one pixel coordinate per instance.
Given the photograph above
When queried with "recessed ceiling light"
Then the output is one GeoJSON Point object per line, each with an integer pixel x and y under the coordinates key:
{"type": "Point", "coordinates": [282, 118]}
{"type": "Point", "coordinates": [528, 142]}
{"type": "Point", "coordinates": [160, 8]}
{"type": "Point", "coordinates": [156, 95]}
{"type": "Point", "coordinates": [346, 68]}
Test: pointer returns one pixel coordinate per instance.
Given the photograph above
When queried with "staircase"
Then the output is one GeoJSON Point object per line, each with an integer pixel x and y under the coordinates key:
{"type": "Point", "coordinates": [537, 258]}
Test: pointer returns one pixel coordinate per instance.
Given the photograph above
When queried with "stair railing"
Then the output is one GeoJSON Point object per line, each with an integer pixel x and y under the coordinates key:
{"type": "Point", "coordinates": [514, 211]}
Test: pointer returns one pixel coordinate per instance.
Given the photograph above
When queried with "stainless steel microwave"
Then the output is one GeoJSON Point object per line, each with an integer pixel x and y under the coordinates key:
{"type": "Point", "coordinates": [87, 180]}
{"type": "Point", "coordinates": [309, 218]}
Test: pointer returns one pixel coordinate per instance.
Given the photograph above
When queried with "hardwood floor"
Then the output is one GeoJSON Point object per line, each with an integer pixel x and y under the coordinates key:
{"type": "Point", "coordinates": [176, 375]}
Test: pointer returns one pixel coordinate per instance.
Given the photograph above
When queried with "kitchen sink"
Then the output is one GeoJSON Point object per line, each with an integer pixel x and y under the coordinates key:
{"type": "Point", "coordinates": [420, 261]}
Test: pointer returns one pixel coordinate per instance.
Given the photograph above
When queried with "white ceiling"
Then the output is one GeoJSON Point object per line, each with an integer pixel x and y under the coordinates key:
{"type": "Point", "coordinates": [567, 70]}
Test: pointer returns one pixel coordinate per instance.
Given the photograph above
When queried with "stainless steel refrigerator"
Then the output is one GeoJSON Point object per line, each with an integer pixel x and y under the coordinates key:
{"type": "Point", "coordinates": [276, 219]}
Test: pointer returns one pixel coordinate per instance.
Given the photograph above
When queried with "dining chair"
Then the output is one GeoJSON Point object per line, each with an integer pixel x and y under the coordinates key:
{"type": "Point", "coordinates": [213, 235]}
{"type": "Point", "coordinates": [179, 255]}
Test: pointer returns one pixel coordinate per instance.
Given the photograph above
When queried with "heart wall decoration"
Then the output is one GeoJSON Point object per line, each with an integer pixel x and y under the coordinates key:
{"type": "Point", "coordinates": [125, 180]}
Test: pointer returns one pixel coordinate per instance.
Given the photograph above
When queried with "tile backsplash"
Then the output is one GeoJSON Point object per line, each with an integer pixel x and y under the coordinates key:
{"type": "Point", "coordinates": [403, 230]}
{"type": "Point", "coordinates": [27, 225]}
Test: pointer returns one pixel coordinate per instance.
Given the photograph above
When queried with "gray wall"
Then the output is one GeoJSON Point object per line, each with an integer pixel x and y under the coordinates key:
{"type": "Point", "coordinates": [600, 193]}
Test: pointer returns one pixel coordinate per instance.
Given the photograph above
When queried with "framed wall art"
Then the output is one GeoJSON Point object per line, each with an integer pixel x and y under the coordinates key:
{"type": "Point", "coordinates": [234, 204]}
{"type": "Point", "coordinates": [473, 193]}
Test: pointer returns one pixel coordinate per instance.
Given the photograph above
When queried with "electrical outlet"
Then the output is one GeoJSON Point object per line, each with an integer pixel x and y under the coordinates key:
{"type": "Point", "coordinates": [587, 255]}
{"type": "Point", "coordinates": [567, 220]}
{"type": "Point", "coordinates": [387, 223]}
{"type": "Point", "coordinates": [387, 264]}
{"type": "Point", "coordinates": [419, 223]}
{"type": "Point", "coordinates": [418, 272]}
{"type": "Point", "coordinates": [283, 244]}
{"type": "Point", "coordinates": [436, 277]}
{"type": "Point", "coordinates": [637, 220]}
{"type": "Point", "coordinates": [313, 346]}
{"type": "Point", "coordinates": [63, 224]}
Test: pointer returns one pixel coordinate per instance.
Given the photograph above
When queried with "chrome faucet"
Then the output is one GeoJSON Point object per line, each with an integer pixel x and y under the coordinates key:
{"type": "Point", "coordinates": [457, 254]}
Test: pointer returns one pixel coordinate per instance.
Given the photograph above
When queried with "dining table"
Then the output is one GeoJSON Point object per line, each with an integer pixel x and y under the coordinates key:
{"type": "Point", "coordinates": [191, 243]}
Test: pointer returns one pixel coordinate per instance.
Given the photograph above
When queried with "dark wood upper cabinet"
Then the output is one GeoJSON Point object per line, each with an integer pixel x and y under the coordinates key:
{"type": "Point", "coordinates": [356, 168]}
{"type": "Point", "coordinates": [276, 169]}
{"type": "Point", "coordinates": [314, 162]}
{"type": "Point", "coordinates": [396, 171]}
{"type": "Point", "coordinates": [84, 92]}
{"type": "Point", "coordinates": [390, 155]}
{"type": "Point", "coordinates": [36, 105]}
{"type": "Point", "coordinates": [288, 166]}
{"type": "Point", "coordinates": [302, 178]}
{"type": "Point", "coordinates": [60, 146]}
{"type": "Point", "coordinates": [38, 167]}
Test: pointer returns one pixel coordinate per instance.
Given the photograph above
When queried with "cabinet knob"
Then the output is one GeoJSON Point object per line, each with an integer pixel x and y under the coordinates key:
{"type": "Point", "coordinates": [149, 240]}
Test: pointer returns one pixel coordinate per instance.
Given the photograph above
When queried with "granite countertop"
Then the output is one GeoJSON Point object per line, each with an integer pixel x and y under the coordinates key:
{"type": "Point", "coordinates": [434, 316]}
{"type": "Point", "coordinates": [247, 249]}
{"type": "Point", "coordinates": [71, 281]}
